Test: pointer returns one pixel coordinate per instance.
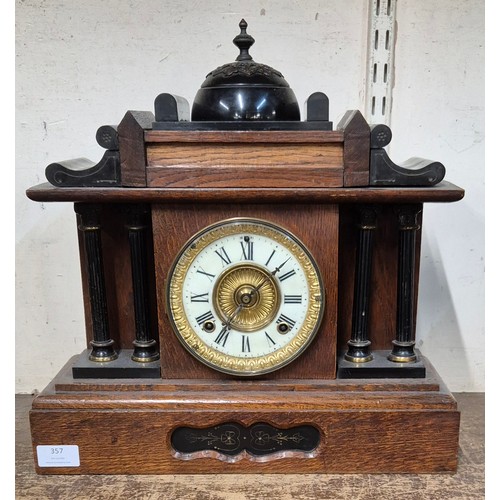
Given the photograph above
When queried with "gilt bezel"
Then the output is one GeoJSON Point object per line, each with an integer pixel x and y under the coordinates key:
{"type": "Point", "coordinates": [225, 363]}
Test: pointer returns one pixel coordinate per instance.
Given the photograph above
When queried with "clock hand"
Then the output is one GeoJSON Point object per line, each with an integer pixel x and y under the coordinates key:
{"type": "Point", "coordinates": [277, 270]}
{"type": "Point", "coordinates": [226, 328]}
{"type": "Point", "coordinates": [227, 324]}
{"type": "Point", "coordinates": [261, 284]}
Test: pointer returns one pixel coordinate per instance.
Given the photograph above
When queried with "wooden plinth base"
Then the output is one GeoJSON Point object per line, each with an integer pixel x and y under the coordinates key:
{"type": "Point", "coordinates": [365, 426]}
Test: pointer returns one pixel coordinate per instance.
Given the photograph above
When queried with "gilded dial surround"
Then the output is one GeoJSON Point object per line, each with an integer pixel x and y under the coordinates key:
{"type": "Point", "coordinates": [245, 296]}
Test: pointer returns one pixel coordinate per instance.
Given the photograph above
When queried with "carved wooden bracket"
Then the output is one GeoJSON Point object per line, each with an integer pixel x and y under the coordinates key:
{"type": "Point", "coordinates": [81, 172]}
{"type": "Point", "coordinates": [412, 172]}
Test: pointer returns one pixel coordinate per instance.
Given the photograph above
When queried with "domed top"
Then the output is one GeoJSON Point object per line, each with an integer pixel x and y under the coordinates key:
{"type": "Point", "coordinates": [244, 71]}
{"type": "Point", "coordinates": [245, 90]}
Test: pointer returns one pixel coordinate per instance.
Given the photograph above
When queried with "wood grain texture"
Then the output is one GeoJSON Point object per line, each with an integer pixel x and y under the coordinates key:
{"type": "Point", "coordinates": [66, 392]}
{"type": "Point", "coordinates": [243, 136]}
{"type": "Point", "coordinates": [356, 149]}
{"type": "Point", "coordinates": [467, 483]}
{"type": "Point", "coordinates": [315, 225]}
{"type": "Point", "coordinates": [65, 383]}
{"type": "Point", "coordinates": [444, 192]}
{"type": "Point", "coordinates": [430, 447]}
{"type": "Point", "coordinates": [256, 165]}
{"type": "Point", "coordinates": [361, 431]}
{"type": "Point", "coordinates": [132, 147]}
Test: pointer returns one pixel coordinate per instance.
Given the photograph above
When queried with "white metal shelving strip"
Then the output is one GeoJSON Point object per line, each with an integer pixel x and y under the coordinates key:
{"type": "Point", "coordinates": [380, 70]}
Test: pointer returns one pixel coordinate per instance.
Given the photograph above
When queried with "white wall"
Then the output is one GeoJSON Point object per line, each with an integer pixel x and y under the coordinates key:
{"type": "Point", "coordinates": [81, 65]}
{"type": "Point", "coordinates": [438, 113]}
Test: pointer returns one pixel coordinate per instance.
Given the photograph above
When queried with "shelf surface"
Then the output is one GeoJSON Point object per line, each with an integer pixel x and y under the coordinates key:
{"type": "Point", "coordinates": [443, 192]}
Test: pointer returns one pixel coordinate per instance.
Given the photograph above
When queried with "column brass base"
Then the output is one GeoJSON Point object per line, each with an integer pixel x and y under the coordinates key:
{"type": "Point", "coordinates": [145, 351]}
{"type": "Point", "coordinates": [402, 352]}
{"type": "Point", "coordinates": [380, 367]}
{"type": "Point", "coordinates": [122, 367]}
{"type": "Point", "coordinates": [102, 351]}
{"type": "Point", "coordinates": [358, 351]}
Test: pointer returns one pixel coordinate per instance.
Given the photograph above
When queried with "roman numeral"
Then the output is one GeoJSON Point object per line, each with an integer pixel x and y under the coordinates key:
{"type": "Point", "coordinates": [247, 248]}
{"type": "Point", "coordinates": [208, 275]}
{"type": "Point", "coordinates": [245, 343]}
{"type": "Point", "coordinates": [270, 340]}
{"type": "Point", "coordinates": [202, 297]}
{"type": "Point", "coordinates": [286, 275]}
{"type": "Point", "coordinates": [204, 317]}
{"type": "Point", "coordinates": [224, 256]}
{"type": "Point", "coordinates": [293, 299]}
{"type": "Point", "coordinates": [285, 319]}
{"type": "Point", "coordinates": [222, 337]}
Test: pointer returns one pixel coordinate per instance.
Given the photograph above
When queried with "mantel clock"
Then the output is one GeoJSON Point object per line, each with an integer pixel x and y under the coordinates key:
{"type": "Point", "coordinates": [250, 286]}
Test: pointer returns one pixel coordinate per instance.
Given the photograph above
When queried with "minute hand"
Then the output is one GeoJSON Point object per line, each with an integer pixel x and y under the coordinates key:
{"type": "Point", "coordinates": [278, 269]}
{"type": "Point", "coordinates": [266, 279]}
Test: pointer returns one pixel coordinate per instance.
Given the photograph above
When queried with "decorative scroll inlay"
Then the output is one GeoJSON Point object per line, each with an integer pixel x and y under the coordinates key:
{"type": "Point", "coordinates": [247, 69]}
{"type": "Point", "coordinates": [232, 441]}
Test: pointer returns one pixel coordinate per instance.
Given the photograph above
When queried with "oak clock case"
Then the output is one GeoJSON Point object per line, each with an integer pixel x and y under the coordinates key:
{"type": "Point", "coordinates": [245, 297]}
{"type": "Point", "coordinates": [297, 232]}
{"type": "Point", "coordinates": [250, 286]}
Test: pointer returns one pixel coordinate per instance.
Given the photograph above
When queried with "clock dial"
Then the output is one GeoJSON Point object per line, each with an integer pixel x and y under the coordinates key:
{"type": "Point", "coordinates": [245, 296]}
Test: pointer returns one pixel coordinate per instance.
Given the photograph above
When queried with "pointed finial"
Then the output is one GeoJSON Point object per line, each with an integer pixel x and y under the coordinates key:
{"type": "Point", "coordinates": [244, 41]}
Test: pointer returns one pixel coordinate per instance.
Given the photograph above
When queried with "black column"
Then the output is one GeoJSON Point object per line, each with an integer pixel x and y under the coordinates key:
{"type": "Point", "coordinates": [90, 225]}
{"type": "Point", "coordinates": [403, 345]}
{"type": "Point", "coordinates": [145, 347]}
{"type": "Point", "coordinates": [359, 345]}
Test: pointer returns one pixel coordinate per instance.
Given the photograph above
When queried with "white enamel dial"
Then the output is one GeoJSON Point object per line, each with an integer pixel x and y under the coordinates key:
{"type": "Point", "coordinates": [245, 296]}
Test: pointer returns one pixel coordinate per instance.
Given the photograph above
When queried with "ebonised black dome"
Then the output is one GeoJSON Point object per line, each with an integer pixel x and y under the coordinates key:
{"type": "Point", "coordinates": [245, 90]}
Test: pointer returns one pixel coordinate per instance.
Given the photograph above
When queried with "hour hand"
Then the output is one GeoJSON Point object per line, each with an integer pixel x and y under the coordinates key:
{"type": "Point", "coordinates": [223, 335]}
{"type": "Point", "coordinates": [226, 328]}
{"type": "Point", "coordinates": [227, 324]}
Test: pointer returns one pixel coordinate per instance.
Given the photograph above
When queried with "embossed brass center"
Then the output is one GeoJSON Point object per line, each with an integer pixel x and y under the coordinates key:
{"type": "Point", "coordinates": [253, 290]}
{"type": "Point", "coordinates": [246, 295]}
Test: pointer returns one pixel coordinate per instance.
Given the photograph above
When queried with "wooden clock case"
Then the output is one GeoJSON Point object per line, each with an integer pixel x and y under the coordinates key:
{"type": "Point", "coordinates": [311, 183]}
{"type": "Point", "coordinates": [359, 399]}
